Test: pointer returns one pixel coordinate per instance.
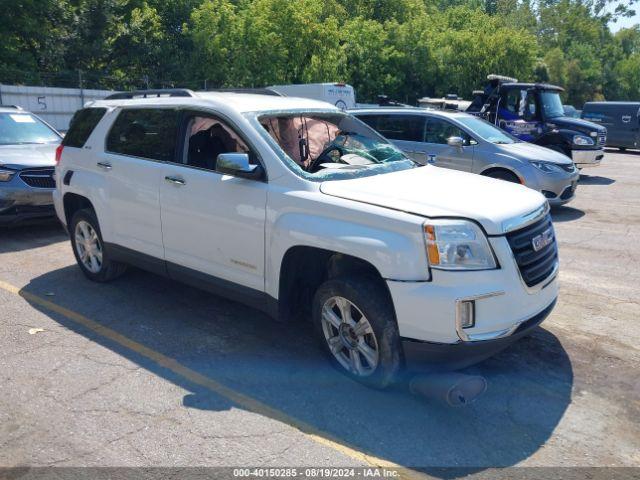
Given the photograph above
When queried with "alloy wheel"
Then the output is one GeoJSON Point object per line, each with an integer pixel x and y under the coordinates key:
{"type": "Point", "coordinates": [88, 246]}
{"type": "Point", "coordinates": [350, 336]}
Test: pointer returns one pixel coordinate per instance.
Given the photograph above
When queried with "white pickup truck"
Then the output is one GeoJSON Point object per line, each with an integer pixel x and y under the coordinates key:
{"type": "Point", "coordinates": [301, 210]}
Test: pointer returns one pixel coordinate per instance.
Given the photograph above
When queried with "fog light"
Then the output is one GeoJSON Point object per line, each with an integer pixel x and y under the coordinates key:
{"type": "Point", "coordinates": [466, 313]}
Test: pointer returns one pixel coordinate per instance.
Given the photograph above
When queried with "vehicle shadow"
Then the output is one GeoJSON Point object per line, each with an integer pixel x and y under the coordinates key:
{"type": "Point", "coordinates": [595, 180]}
{"type": "Point", "coordinates": [565, 214]}
{"type": "Point", "coordinates": [280, 365]}
{"type": "Point", "coordinates": [626, 152]}
{"type": "Point", "coordinates": [25, 237]}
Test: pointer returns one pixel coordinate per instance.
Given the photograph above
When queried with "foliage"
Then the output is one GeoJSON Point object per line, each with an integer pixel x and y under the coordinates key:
{"type": "Point", "coordinates": [402, 48]}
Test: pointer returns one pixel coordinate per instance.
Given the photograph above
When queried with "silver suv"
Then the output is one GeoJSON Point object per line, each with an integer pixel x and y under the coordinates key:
{"type": "Point", "coordinates": [465, 142]}
{"type": "Point", "coordinates": [27, 161]}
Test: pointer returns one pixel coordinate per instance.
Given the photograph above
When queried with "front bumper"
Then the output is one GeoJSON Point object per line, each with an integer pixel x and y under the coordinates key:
{"type": "Point", "coordinates": [587, 158]}
{"type": "Point", "coordinates": [559, 189]}
{"type": "Point", "coordinates": [426, 311]}
{"type": "Point", "coordinates": [21, 203]}
{"type": "Point", "coordinates": [425, 356]}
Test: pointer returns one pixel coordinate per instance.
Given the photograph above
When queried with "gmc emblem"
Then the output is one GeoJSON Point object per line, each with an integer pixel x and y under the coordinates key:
{"type": "Point", "coordinates": [540, 241]}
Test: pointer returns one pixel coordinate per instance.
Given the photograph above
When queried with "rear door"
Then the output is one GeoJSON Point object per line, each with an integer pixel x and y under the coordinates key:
{"type": "Point", "coordinates": [440, 153]}
{"type": "Point", "coordinates": [138, 144]}
{"type": "Point", "coordinates": [212, 223]}
{"type": "Point", "coordinates": [629, 126]}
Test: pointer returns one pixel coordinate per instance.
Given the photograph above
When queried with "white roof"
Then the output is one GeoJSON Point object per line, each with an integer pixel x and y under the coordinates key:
{"type": "Point", "coordinates": [12, 110]}
{"type": "Point", "coordinates": [240, 102]}
{"type": "Point", "coordinates": [414, 110]}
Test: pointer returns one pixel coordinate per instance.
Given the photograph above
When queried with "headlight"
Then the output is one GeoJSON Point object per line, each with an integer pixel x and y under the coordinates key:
{"type": "Point", "coordinates": [6, 175]}
{"type": "Point", "coordinates": [546, 167]}
{"type": "Point", "coordinates": [582, 140]}
{"type": "Point", "coordinates": [457, 245]}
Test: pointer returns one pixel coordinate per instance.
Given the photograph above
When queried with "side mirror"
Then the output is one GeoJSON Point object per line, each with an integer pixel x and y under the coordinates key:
{"type": "Point", "coordinates": [455, 142]}
{"type": "Point", "coordinates": [237, 164]}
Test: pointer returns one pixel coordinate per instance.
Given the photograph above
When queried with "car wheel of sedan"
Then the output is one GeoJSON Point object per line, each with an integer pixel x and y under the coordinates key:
{"type": "Point", "coordinates": [89, 248]}
{"type": "Point", "coordinates": [355, 323]}
{"type": "Point", "coordinates": [505, 175]}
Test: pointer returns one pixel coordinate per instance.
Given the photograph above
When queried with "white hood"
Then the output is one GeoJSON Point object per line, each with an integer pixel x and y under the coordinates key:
{"type": "Point", "coordinates": [529, 151]}
{"type": "Point", "coordinates": [437, 192]}
{"type": "Point", "coordinates": [28, 156]}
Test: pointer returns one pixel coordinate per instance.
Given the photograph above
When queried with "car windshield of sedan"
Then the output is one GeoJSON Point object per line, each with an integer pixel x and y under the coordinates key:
{"type": "Point", "coordinates": [21, 128]}
{"type": "Point", "coordinates": [330, 145]}
{"type": "Point", "coordinates": [487, 131]}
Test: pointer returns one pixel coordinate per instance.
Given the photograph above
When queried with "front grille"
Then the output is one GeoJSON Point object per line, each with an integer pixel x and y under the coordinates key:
{"type": "Point", "coordinates": [535, 266]}
{"type": "Point", "coordinates": [39, 178]}
{"type": "Point", "coordinates": [567, 192]}
{"type": "Point", "coordinates": [602, 139]}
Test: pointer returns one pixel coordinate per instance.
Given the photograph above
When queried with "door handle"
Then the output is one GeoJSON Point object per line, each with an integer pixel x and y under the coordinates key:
{"type": "Point", "coordinates": [175, 180]}
{"type": "Point", "coordinates": [105, 165]}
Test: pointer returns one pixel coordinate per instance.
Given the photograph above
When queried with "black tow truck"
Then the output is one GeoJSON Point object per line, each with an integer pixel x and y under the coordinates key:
{"type": "Point", "coordinates": [534, 112]}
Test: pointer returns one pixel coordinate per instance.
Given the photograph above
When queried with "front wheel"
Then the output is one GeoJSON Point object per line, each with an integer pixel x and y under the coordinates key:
{"type": "Point", "coordinates": [505, 175]}
{"type": "Point", "coordinates": [356, 325]}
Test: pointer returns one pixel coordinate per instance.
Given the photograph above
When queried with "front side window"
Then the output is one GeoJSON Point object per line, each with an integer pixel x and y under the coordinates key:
{"type": "Point", "coordinates": [322, 145]}
{"type": "Point", "coordinates": [145, 133]}
{"type": "Point", "coordinates": [22, 128]}
{"type": "Point", "coordinates": [206, 137]}
{"type": "Point", "coordinates": [439, 131]}
{"type": "Point", "coordinates": [511, 101]}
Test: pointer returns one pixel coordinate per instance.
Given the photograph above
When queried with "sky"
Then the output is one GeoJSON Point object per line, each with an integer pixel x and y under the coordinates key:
{"type": "Point", "coordinates": [625, 22]}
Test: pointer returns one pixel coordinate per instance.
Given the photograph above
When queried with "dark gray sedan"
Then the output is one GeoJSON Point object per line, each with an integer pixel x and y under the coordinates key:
{"type": "Point", "coordinates": [464, 142]}
{"type": "Point", "coordinates": [27, 161]}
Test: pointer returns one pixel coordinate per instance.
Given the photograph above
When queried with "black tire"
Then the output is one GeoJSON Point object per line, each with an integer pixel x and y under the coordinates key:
{"type": "Point", "coordinates": [505, 175]}
{"type": "Point", "coordinates": [109, 269]}
{"type": "Point", "coordinates": [372, 298]}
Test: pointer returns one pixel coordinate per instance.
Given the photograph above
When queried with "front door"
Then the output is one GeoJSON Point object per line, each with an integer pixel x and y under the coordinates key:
{"type": "Point", "coordinates": [440, 153]}
{"type": "Point", "coordinates": [212, 223]}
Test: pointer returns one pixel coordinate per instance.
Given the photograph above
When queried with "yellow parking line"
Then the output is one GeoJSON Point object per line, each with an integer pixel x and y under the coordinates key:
{"type": "Point", "coordinates": [244, 401]}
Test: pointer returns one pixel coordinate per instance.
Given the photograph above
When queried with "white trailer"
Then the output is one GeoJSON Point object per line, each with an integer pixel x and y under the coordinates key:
{"type": "Point", "coordinates": [55, 106]}
{"type": "Point", "coordinates": [339, 94]}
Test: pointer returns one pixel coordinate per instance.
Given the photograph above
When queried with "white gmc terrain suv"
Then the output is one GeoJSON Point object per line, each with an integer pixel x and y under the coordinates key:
{"type": "Point", "coordinates": [304, 212]}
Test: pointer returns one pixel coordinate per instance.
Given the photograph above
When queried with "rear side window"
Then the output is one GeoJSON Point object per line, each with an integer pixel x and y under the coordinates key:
{"type": "Point", "coordinates": [81, 126]}
{"type": "Point", "coordinates": [398, 127]}
{"type": "Point", "coordinates": [145, 133]}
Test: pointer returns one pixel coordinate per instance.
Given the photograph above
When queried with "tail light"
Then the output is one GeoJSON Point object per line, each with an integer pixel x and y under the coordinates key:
{"type": "Point", "coordinates": [59, 153]}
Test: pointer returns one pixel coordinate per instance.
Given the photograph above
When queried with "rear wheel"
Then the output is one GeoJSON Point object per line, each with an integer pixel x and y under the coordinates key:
{"type": "Point", "coordinates": [89, 248]}
{"type": "Point", "coordinates": [356, 325]}
{"type": "Point", "coordinates": [505, 175]}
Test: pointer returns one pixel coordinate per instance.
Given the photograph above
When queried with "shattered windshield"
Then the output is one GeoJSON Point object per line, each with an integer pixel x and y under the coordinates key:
{"type": "Point", "coordinates": [330, 145]}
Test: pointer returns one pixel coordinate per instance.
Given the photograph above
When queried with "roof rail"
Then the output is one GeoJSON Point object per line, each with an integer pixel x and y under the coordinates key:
{"type": "Point", "coordinates": [161, 92]}
{"type": "Point", "coordinates": [17, 107]}
{"type": "Point", "coordinates": [255, 91]}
